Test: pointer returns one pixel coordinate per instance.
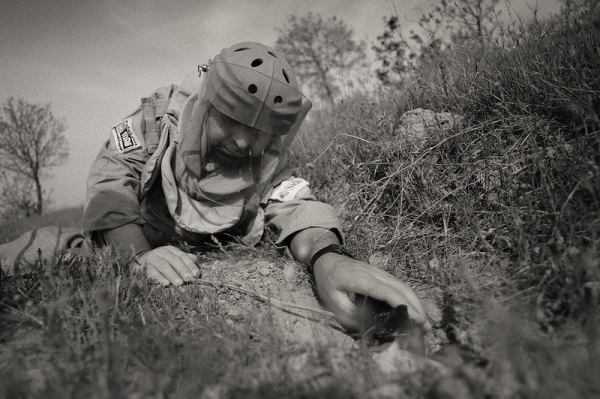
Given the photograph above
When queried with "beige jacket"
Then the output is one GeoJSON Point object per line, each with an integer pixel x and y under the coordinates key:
{"type": "Point", "coordinates": [123, 185]}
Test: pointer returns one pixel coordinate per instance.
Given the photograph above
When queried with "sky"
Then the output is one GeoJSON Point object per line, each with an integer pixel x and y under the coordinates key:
{"type": "Point", "coordinates": [94, 60]}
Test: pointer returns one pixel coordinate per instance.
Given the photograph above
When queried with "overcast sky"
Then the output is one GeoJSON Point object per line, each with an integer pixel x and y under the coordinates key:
{"type": "Point", "coordinates": [94, 60]}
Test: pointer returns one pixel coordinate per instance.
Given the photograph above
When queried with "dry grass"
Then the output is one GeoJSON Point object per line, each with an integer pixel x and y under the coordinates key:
{"type": "Point", "coordinates": [503, 209]}
{"type": "Point", "coordinates": [515, 187]}
{"type": "Point", "coordinates": [87, 328]}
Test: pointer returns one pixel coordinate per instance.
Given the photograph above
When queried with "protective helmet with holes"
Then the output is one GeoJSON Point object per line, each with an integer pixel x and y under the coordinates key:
{"type": "Point", "coordinates": [252, 84]}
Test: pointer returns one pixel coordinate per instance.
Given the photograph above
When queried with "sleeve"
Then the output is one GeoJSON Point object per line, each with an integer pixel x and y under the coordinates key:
{"type": "Point", "coordinates": [113, 184]}
{"type": "Point", "coordinates": [292, 207]}
{"type": "Point", "coordinates": [129, 238]}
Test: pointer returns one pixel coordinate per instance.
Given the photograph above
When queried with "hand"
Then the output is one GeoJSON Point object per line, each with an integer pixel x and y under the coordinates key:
{"type": "Point", "coordinates": [340, 279]}
{"type": "Point", "coordinates": [168, 265]}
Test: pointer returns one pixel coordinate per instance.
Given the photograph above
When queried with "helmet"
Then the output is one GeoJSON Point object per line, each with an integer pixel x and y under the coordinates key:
{"type": "Point", "coordinates": [250, 83]}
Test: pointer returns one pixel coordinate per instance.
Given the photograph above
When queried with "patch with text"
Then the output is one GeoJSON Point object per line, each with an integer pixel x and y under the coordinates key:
{"type": "Point", "coordinates": [288, 189]}
{"type": "Point", "coordinates": [125, 138]}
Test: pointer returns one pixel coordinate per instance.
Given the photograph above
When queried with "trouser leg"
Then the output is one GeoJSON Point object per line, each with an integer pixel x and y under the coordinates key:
{"type": "Point", "coordinates": [43, 244]}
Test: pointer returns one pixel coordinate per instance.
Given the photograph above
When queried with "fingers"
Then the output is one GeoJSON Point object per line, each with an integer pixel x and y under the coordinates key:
{"type": "Point", "coordinates": [380, 285]}
{"type": "Point", "coordinates": [155, 274]}
{"type": "Point", "coordinates": [339, 282]}
{"type": "Point", "coordinates": [183, 263]}
{"type": "Point", "coordinates": [344, 309]}
{"type": "Point", "coordinates": [352, 317]}
{"type": "Point", "coordinates": [169, 265]}
{"type": "Point", "coordinates": [395, 293]}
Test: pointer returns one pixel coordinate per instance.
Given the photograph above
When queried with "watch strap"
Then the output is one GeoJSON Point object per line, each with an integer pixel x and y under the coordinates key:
{"type": "Point", "coordinates": [332, 248]}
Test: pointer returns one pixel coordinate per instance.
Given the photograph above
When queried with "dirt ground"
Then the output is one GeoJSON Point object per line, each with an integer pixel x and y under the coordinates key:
{"type": "Point", "coordinates": [288, 298]}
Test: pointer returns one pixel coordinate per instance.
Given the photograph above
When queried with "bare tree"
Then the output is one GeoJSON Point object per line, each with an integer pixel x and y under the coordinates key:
{"type": "Point", "coordinates": [15, 196]}
{"type": "Point", "coordinates": [478, 19]}
{"type": "Point", "coordinates": [320, 51]}
{"type": "Point", "coordinates": [31, 141]}
{"type": "Point", "coordinates": [455, 23]}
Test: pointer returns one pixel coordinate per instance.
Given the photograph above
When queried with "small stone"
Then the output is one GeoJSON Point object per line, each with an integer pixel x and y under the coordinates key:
{"type": "Point", "coordinates": [434, 263]}
{"type": "Point", "coordinates": [265, 271]}
{"type": "Point", "coordinates": [234, 314]}
{"type": "Point", "coordinates": [289, 273]}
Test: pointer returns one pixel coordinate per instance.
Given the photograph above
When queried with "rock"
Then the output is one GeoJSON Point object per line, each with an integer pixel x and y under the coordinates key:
{"type": "Point", "coordinates": [235, 314]}
{"type": "Point", "coordinates": [417, 123]}
{"type": "Point", "coordinates": [435, 340]}
{"type": "Point", "coordinates": [290, 272]}
{"type": "Point", "coordinates": [434, 263]}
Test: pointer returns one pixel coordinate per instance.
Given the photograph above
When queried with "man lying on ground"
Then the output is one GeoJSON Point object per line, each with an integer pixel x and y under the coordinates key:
{"type": "Point", "coordinates": [208, 157]}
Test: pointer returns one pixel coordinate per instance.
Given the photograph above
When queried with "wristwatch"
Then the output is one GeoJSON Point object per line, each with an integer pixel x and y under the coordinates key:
{"type": "Point", "coordinates": [332, 248]}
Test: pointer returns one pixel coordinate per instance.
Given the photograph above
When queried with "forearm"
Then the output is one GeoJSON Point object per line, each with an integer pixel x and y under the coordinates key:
{"type": "Point", "coordinates": [304, 244]}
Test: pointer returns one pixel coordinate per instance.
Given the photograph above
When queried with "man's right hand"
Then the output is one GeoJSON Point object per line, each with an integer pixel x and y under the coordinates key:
{"type": "Point", "coordinates": [168, 265]}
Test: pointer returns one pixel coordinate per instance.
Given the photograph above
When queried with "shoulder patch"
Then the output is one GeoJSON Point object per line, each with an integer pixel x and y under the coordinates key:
{"type": "Point", "coordinates": [125, 138]}
{"type": "Point", "coordinates": [288, 189]}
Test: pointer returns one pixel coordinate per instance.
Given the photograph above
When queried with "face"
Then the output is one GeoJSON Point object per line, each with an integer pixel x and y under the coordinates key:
{"type": "Point", "coordinates": [232, 142]}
